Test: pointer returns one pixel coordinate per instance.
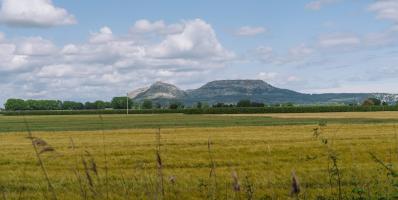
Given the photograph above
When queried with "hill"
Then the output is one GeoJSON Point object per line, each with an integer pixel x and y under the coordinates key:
{"type": "Point", "coordinates": [231, 91]}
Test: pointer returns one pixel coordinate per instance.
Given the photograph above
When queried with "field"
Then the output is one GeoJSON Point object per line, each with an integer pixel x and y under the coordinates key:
{"type": "Point", "coordinates": [175, 156]}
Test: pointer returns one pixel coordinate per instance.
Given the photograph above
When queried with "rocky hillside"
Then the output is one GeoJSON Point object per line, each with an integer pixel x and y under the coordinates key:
{"type": "Point", "coordinates": [159, 91]}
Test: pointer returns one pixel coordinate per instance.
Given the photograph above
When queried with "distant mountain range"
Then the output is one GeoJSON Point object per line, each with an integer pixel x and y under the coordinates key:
{"type": "Point", "coordinates": [231, 91]}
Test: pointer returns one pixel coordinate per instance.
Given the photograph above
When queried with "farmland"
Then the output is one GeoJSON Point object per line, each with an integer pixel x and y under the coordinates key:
{"type": "Point", "coordinates": [333, 156]}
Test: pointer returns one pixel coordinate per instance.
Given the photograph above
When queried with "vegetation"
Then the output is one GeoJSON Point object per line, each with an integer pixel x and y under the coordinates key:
{"type": "Point", "coordinates": [288, 109]}
{"type": "Point", "coordinates": [147, 104]}
{"type": "Point", "coordinates": [249, 104]}
{"type": "Point", "coordinates": [324, 160]}
{"type": "Point", "coordinates": [372, 102]}
{"type": "Point", "coordinates": [121, 102]}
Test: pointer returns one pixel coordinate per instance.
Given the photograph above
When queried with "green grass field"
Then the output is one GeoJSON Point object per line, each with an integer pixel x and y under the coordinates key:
{"type": "Point", "coordinates": [112, 122]}
{"type": "Point", "coordinates": [116, 158]}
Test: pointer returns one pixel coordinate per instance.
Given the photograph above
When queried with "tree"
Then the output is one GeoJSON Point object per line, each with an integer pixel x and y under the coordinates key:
{"type": "Point", "coordinates": [71, 105]}
{"type": "Point", "coordinates": [158, 105]}
{"type": "Point", "coordinates": [244, 103]}
{"type": "Point", "coordinates": [371, 102]}
{"type": "Point", "coordinates": [199, 105]}
{"type": "Point", "coordinates": [90, 106]}
{"type": "Point", "coordinates": [147, 104]}
{"type": "Point", "coordinates": [43, 104]}
{"type": "Point", "coordinates": [100, 104]}
{"type": "Point", "coordinates": [176, 105]}
{"type": "Point", "coordinates": [121, 103]}
{"type": "Point", "coordinates": [15, 104]}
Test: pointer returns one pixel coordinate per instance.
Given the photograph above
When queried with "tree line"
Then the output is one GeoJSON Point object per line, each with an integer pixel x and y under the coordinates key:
{"type": "Point", "coordinates": [124, 102]}
{"type": "Point", "coordinates": [20, 104]}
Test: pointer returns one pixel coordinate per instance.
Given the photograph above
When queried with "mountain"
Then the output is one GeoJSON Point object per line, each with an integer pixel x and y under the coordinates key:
{"type": "Point", "coordinates": [159, 92]}
{"type": "Point", "coordinates": [231, 91]}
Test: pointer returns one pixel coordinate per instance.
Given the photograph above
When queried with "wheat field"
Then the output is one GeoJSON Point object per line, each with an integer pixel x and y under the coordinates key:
{"type": "Point", "coordinates": [316, 161]}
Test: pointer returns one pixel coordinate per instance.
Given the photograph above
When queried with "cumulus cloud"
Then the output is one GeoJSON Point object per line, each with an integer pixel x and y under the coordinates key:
{"type": "Point", "coordinates": [250, 31]}
{"type": "Point", "coordinates": [197, 41]}
{"type": "Point", "coordinates": [35, 46]}
{"type": "Point", "coordinates": [385, 9]}
{"type": "Point", "coordinates": [34, 13]}
{"type": "Point", "coordinates": [108, 64]}
{"type": "Point", "coordinates": [104, 35]}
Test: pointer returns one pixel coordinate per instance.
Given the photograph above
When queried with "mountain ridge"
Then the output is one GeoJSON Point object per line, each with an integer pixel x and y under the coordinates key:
{"type": "Point", "coordinates": [231, 91]}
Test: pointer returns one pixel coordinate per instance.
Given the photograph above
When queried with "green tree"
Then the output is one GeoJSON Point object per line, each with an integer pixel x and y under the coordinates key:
{"type": "Point", "coordinates": [72, 105]}
{"type": "Point", "coordinates": [244, 103]}
{"type": "Point", "coordinates": [147, 104]}
{"type": "Point", "coordinates": [90, 106]}
{"type": "Point", "coordinates": [15, 104]}
{"type": "Point", "coordinates": [199, 105]}
{"type": "Point", "coordinates": [176, 105]}
{"type": "Point", "coordinates": [43, 104]}
{"type": "Point", "coordinates": [100, 104]}
{"type": "Point", "coordinates": [121, 102]}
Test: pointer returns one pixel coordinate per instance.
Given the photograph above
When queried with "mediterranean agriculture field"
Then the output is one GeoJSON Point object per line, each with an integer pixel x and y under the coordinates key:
{"type": "Point", "coordinates": [176, 156]}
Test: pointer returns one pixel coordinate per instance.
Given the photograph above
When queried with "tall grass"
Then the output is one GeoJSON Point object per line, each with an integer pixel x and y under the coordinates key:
{"type": "Point", "coordinates": [94, 179]}
{"type": "Point", "coordinates": [40, 146]}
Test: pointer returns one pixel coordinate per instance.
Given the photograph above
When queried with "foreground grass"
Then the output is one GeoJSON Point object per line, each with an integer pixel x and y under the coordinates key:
{"type": "Point", "coordinates": [126, 166]}
{"type": "Point", "coordinates": [113, 122]}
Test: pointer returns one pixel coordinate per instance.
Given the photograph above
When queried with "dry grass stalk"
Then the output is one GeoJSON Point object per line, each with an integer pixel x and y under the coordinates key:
{"type": "Point", "coordinates": [159, 165]}
{"type": "Point", "coordinates": [212, 173]}
{"type": "Point", "coordinates": [295, 186]}
{"type": "Point", "coordinates": [89, 178]}
{"type": "Point", "coordinates": [172, 180]}
{"type": "Point", "coordinates": [235, 182]}
{"type": "Point", "coordinates": [105, 157]}
{"type": "Point", "coordinates": [249, 190]}
{"type": "Point", "coordinates": [34, 142]}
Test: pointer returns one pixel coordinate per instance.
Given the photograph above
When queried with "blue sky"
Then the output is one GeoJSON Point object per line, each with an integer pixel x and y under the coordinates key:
{"type": "Point", "coordinates": [97, 49]}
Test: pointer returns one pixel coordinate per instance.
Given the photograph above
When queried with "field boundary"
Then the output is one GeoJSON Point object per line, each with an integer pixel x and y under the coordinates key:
{"type": "Point", "coordinates": [233, 110]}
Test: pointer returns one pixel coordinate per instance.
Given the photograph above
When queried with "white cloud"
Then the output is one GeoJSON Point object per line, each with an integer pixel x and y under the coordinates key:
{"type": "Point", "coordinates": [108, 64]}
{"type": "Point", "coordinates": [339, 41]}
{"type": "Point", "coordinates": [144, 26]}
{"type": "Point", "coordinates": [34, 13]}
{"type": "Point", "coordinates": [385, 9]}
{"type": "Point", "coordinates": [318, 4]}
{"type": "Point", "coordinates": [197, 41]}
{"type": "Point", "coordinates": [250, 31]}
{"type": "Point", "coordinates": [104, 35]}
{"type": "Point", "coordinates": [56, 71]}
{"type": "Point", "coordinates": [35, 46]}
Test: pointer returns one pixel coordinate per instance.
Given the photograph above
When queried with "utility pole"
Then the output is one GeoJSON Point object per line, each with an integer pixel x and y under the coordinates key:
{"type": "Point", "coordinates": [127, 102]}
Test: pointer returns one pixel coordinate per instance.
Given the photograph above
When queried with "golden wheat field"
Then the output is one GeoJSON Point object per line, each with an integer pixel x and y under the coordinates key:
{"type": "Point", "coordinates": [319, 161]}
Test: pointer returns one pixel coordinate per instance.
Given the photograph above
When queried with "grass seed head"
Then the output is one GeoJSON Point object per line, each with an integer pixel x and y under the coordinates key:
{"type": "Point", "coordinates": [235, 182]}
{"type": "Point", "coordinates": [295, 190]}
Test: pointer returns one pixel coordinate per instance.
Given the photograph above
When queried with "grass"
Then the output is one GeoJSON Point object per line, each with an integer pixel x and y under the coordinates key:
{"type": "Point", "coordinates": [114, 122]}
{"type": "Point", "coordinates": [339, 160]}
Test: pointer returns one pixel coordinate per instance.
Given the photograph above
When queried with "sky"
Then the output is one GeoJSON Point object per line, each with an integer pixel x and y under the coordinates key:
{"type": "Point", "coordinates": [97, 49]}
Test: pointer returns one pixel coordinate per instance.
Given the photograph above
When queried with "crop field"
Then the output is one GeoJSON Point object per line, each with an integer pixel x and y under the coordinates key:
{"type": "Point", "coordinates": [175, 156]}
